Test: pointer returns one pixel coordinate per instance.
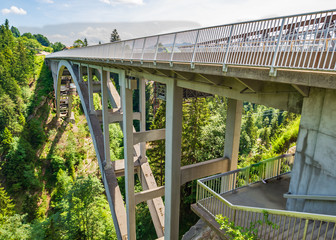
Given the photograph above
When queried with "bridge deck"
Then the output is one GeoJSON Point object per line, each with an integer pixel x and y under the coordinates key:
{"type": "Point", "coordinates": [262, 195]}
{"type": "Point", "coordinates": [304, 41]}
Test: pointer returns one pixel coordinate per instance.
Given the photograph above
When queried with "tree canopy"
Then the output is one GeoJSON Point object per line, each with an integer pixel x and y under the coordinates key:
{"type": "Point", "coordinates": [114, 36]}
{"type": "Point", "coordinates": [43, 40]}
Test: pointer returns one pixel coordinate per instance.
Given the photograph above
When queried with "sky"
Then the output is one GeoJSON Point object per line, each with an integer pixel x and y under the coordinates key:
{"type": "Point", "coordinates": [38, 13]}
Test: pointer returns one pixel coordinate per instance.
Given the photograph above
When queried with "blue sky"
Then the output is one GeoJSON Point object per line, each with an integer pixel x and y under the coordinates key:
{"type": "Point", "coordinates": [38, 13]}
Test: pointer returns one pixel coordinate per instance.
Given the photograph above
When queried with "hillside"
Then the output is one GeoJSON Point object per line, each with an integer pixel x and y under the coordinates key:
{"type": "Point", "coordinates": [49, 177]}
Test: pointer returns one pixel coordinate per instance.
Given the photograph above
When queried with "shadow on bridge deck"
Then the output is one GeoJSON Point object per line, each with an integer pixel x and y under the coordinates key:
{"type": "Point", "coordinates": [262, 195]}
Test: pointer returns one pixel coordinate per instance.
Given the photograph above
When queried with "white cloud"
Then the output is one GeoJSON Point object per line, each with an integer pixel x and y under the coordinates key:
{"type": "Point", "coordinates": [14, 10]}
{"type": "Point", "coordinates": [105, 1]}
{"type": "Point", "coordinates": [126, 2]}
{"type": "Point", "coordinates": [46, 1]}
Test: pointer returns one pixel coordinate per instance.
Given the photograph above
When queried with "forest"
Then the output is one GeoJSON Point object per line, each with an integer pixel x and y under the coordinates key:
{"type": "Point", "coordinates": [50, 184]}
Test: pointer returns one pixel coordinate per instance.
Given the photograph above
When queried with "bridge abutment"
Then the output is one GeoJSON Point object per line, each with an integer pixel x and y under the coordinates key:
{"type": "Point", "coordinates": [314, 171]}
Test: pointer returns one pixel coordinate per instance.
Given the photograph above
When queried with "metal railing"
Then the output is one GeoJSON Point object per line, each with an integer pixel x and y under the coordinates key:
{"type": "Point", "coordinates": [288, 224]}
{"type": "Point", "coordinates": [303, 41]}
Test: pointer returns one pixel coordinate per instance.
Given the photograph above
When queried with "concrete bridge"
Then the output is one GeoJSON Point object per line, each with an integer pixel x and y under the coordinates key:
{"type": "Point", "coordinates": [287, 63]}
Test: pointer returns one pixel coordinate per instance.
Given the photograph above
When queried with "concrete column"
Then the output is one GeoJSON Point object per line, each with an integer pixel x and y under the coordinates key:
{"type": "Point", "coordinates": [173, 159]}
{"type": "Point", "coordinates": [80, 73]}
{"type": "Point", "coordinates": [70, 93]}
{"type": "Point", "coordinates": [104, 96]}
{"type": "Point", "coordinates": [314, 170]}
{"type": "Point", "coordinates": [127, 106]}
{"type": "Point", "coordinates": [232, 132]}
{"type": "Point", "coordinates": [142, 101]}
{"type": "Point", "coordinates": [58, 99]}
{"type": "Point", "coordinates": [90, 90]}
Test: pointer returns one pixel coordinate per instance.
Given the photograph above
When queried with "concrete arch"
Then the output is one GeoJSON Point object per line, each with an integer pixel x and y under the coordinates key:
{"type": "Point", "coordinates": [95, 131]}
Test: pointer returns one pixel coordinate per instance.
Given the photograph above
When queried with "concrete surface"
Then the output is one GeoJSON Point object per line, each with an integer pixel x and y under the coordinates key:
{"type": "Point", "coordinates": [314, 170]}
{"type": "Point", "coordinates": [262, 195]}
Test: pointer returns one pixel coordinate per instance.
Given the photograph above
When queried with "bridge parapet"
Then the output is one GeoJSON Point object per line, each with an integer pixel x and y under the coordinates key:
{"type": "Point", "coordinates": [304, 41]}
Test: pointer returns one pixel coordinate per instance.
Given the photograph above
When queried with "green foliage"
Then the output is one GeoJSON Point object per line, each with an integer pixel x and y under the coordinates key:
{"type": "Point", "coordinates": [57, 46]}
{"type": "Point", "coordinates": [6, 140]}
{"type": "Point", "coordinates": [211, 137]}
{"type": "Point", "coordinates": [116, 142]}
{"type": "Point", "coordinates": [195, 117]}
{"type": "Point", "coordinates": [239, 233]}
{"type": "Point", "coordinates": [15, 228]}
{"type": "Point", "coordinates": [28, 35]}
{"type": "Point", "coordinates": [78, 43]}
{"type": "Point", "coordinates": [36, 135]}
{"type": "Point", "coordinates": [82, 213]}
{"type": "Point", "coordinates": [156, 153]}
{"type": "Point", "coordinates": [114, 36]}
{"type": "Point", "coordinates": [289, 134]}
{"type": "Point", "coordinates": [15, 31]}
{"type": "Point", "coordinates": [43, 40]}
{"type": "Point", "coordinates": [6, 206]}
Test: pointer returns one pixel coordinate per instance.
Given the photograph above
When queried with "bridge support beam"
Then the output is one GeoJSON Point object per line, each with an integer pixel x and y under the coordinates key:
{"type": "Point", "coordinates": [173, 159]}
{"type": "Point", "coordinates": [232, 131]}
{"type": "Point", "coordinates": [90, 89]}
{"type": "Point", "coordinates": [107, 160]}
{"type": "Point", "coordinates": [127, 106]}
{"type": "Point", "coordinates": [142, 110]}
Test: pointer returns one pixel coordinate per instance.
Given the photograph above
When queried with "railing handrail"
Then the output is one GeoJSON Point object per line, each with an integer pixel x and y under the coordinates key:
{"type": "Point", "coordinates": [310, 197]}
{"type": "Point", "coordinates": [270, 39]}
{"type": "Point", "coordinates": [245, 168]}
{"type": "Point", "coordinates": [211, 187]}
{"type": "Point", "coordinates": [216, 26]}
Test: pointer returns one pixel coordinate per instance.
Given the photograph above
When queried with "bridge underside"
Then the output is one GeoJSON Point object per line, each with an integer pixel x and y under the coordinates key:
{"type": "Point", "coordinates": [287, 63]}
{"type": "Point", "coordinates": [287, 91]}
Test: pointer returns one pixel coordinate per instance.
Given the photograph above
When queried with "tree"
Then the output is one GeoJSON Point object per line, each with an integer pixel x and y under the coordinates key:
{"type": "Point", "coordinates": [6, 205]}
{"type": "Point", "coordinates": [85, 42]}
{"type": "Point", "coordinates": [6, 24]}
{"type": "Point", "coordinates": [156, 153]}
{"type": "Point", "coordinates": [84, 212]}
{"type": "Point", "coordinates": [15, 31]}
{"type": "Point", "coordinates": [78, 43]}
{"type": "Point", "coordinates": [15, 227]}
{"type": "Point", "coordinates": [28, 35]}
{"type": "Point", "coordinates": [42, 39]}
{"type": "Point", "coordinates": [57, 46]}
{"type": "Point", "coordinates": [114, 36]}
{"type": "Point", "coordinates": [7, 139]}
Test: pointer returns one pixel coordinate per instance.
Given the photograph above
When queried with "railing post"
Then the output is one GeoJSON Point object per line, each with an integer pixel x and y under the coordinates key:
{"type": "Point", "coordinates": [279, 167]}
{"type": "Point", "coordinates": [131, 58]}
{"type": "Point", "coordinates": [305, 230]}
{"type": "Point", "coordinates": [273, 70]}
{"type": "Point", "coordinates": [194, 51]}
{"type": "Point", "coordinates": [122, 53]}
{"type": "Point", "coordinates": [156, 49]}
{"type": "Point", "coordinates": [197, 197]}
{"type": "Point", "coordinates": [172, 53]}
{"type": "Point", "coordinates": [234, 216]}
{"type": "Point", "coordinates": [227, 50]}
{"type": "Point", "coordinates": [143, 51]}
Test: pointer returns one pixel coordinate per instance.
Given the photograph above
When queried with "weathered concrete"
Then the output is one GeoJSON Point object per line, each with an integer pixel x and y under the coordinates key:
{"type": "Point", "coordinates": [173, 160]}
{"type": "Point", "coordinates": [232, 134]}
{"type": "Point", "coordinates": [314, 170]}
{"type": "Point", "coordinates": [261, 195]}
{"type": "Point", "coordinates": [200, 231]}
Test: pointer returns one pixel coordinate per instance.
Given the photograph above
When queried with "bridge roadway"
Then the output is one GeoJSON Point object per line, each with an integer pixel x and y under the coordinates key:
{"type": "Point", "coordinates": [276, 62]}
